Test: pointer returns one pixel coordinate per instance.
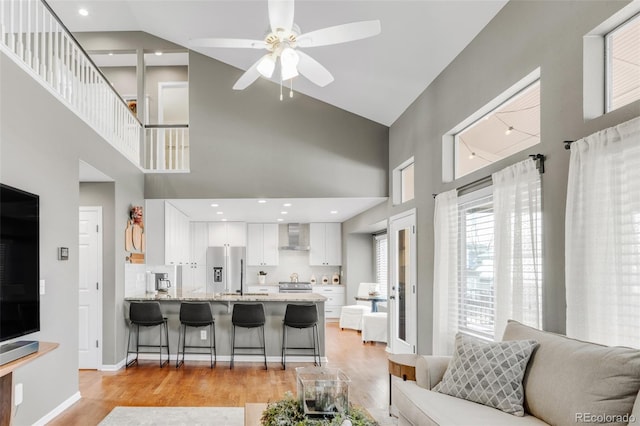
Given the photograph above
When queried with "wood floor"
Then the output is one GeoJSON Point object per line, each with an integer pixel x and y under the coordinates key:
{"type": "Point", "coordinates": [195, 384]}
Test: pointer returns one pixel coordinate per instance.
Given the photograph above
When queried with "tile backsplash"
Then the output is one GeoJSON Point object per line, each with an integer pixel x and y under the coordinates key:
{"type": "Point", "coordinates": [135, 278]}
{"type": "Point", "coordinates": [290, 262]}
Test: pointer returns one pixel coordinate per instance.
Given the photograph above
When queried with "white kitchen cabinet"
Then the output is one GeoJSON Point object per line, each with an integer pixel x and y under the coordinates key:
{"type": "Point", "coordinates": [176, 236]}
{"type": "Point", "coordinates": [325, 241]}
{"type": "Point", "coordinates": [335, 299]}
{"type": "Point", "coordinates": [233, 234]}
{"type": "Point", "coordinates": [194, 274]}
{"type": "Point", "coordinates": [262, 244]}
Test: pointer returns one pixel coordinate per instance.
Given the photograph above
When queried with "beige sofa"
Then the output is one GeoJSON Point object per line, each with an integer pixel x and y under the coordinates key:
{"type": "Point", "coordinates": [567, 382]}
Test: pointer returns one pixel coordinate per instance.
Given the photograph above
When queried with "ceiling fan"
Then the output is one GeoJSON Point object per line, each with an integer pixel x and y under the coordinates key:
{"type": "Point", "coordinates": [284, 41]}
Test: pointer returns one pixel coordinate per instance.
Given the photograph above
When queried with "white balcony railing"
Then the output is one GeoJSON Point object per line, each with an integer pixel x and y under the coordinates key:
{"type": "Point", "coordinates": [166, 148]}
{"type": "Point", "coordinates": [34, 37]}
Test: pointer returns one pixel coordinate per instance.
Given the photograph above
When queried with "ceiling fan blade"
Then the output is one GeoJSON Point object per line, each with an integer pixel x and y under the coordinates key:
{"type": "Point", "coordinates": [228, 42]}
{"type": "Point", "coordinates": [313, 70]}
{"type": "Point", "coordinates": [339, 34]}
{"type": "Point", "coordinates": [281, 14]}
{"type": "Point", "coordinates": [248, 77]}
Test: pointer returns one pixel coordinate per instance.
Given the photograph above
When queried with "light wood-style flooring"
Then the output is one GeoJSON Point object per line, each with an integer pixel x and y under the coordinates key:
{"type": "Point", "coordinates": [195, 384]}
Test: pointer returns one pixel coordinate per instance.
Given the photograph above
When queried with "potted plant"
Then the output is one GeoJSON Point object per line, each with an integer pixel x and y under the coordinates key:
{"type": "Point", "coordinates": [262, 277]}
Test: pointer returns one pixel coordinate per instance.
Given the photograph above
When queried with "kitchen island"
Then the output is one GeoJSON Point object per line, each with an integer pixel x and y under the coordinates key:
{"type": "Point", "coordinates": [222, 305]}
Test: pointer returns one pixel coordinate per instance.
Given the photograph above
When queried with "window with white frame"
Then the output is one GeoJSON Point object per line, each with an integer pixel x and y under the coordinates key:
{"type": "Point", "coordinates": [488, 257]}
{"type": "Point", "coordinates": [476, 292]}
{"type": "Point", "coordinates": [380, 246]}
{"type": "Point", "coordinates": [407, 183]}
{"type": "Point", "coordinates": [623, 64]}
{"type": "Point", "coordinates": [403, 182]}
{"type": "Point", "coordinates": [479, 226]}
{"type": "Point", "coordinates": [511, 127]}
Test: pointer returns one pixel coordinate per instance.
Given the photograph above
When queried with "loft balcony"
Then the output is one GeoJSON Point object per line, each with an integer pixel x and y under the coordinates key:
{"type": "Point", "coordinates": [34, 38]}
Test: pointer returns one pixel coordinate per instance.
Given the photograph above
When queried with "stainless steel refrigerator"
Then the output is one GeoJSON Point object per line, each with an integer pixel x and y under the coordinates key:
{"type": "Point", "coordinates": [226, 269]}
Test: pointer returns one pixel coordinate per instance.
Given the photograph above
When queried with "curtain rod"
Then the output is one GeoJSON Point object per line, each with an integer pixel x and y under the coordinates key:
{"type": "Point", "coordinates": [567, 144]}
{"type": "Point", "coordinates": [539, 158]}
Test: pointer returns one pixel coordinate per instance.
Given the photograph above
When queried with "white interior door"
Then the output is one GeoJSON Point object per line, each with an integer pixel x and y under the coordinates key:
{"type": "Point", "coordinates": [90, 288]}
{"type": "Point", "coordinates": [402, 283]}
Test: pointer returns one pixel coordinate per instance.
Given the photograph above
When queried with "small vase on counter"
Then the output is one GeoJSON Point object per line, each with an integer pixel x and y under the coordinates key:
{"type": "Point", "coordinates": [325, 279]}
{"type": "Point", "coordinates": [262, 277]}
{"type": "Point", "coordinates": [313, 280]}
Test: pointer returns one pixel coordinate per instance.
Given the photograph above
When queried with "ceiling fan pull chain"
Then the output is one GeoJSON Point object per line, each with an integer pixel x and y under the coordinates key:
{"type": "Point", "coordinates": [291, 88]}
{"type": "Point", "coordinates": [280, 88]}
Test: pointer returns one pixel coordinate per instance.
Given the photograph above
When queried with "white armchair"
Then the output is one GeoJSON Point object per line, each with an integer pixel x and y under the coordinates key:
{"type": "Point", "coordinates": [351, 315]}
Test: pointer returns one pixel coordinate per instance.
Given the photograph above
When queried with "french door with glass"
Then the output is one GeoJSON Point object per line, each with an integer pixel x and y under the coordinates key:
{"type": "Point", "coordinates": [402, 283]}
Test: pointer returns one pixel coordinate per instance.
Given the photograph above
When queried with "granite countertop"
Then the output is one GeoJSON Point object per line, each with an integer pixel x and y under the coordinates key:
{"type": "Point", "coordinates": [247, 297]}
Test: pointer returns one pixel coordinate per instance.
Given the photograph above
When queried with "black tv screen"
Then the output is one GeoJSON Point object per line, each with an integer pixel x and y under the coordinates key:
{"type": "Point", "coordinates": [19, 263]}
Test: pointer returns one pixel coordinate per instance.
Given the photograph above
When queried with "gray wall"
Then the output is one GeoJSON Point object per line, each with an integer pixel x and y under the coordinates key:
{"type": "Point", "coordinates": [247, 144]}
{"type": "Point", "coordinates": [523, 36]}
{"type": "Point", "coordinates": [358, 263]}
{"type": "Point", "coordinates": [41, 143]}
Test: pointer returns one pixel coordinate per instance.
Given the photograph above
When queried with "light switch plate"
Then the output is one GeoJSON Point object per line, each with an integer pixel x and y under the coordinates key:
{"type": "Point", "coordinates": [203, 334]}
{"type": "Point", "coordinates": [41, 287]}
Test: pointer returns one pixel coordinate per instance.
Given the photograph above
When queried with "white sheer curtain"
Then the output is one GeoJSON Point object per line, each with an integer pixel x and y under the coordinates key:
{"type": "Point", "coordinates": [517, 253]}
{"type": "Point", "coordinates": [603, 237]}
{"type": "Point", "coordinates": [445, 273]}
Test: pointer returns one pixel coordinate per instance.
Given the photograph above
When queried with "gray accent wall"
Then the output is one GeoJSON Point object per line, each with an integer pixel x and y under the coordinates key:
{"type": "Point", "coordinates": [247, 144]}
{"type": "Point", "coordinates": [41, 143]}
{"type": "Point", "coordinates": [358, 257]}
{"type": "Point", "coordinates": [523, 36]}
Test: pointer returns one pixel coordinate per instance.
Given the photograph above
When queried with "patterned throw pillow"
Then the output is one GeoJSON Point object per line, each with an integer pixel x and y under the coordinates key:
{"type": "Point", "coordinates": [488, 373]}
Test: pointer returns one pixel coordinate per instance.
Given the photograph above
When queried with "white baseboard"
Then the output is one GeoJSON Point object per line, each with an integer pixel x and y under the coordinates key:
{"type": "Point", "coordinates": [112, 367]}
{"type": "Point", "coordinates": [58, 410]}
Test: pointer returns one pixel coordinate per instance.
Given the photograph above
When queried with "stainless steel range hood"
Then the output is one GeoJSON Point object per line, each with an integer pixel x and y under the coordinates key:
{"type": "Point", "coordinates": [297, 238]}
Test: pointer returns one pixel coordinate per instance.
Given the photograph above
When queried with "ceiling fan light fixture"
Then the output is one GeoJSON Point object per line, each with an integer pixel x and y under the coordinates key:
{"type": "Point", "coordinates": [266, 66]}
{"type": "Point", "coordinates": [289, 63]}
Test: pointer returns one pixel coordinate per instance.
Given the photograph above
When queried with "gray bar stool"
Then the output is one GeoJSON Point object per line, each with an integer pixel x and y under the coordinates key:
{"type": "Point", "coordinates": [301, 316]}
{"type": "Point", "coordinates": [147, 314]}
{"type": "Point", "coordinates": [196, 314]}
{"type": "Point", "coordinates": [247, 315]}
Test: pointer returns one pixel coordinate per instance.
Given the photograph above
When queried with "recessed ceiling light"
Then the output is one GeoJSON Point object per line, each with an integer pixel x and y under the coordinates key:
{"type": "Point", "coordinates": [110, 53]}
{"type": "Point", "coordinates": [283, 212]}
{"type": "Point", "coordinates": [286, 205]}
{"type": "Point", "coordinates": [280, 219]}
{"type": "Point", "coordinates": [224, 220]}
{"type": "Point", "coordinates": [334, 212]}
{"type": "Point", "coordinates": [158, 53]}
{"type": "Point", "coordinates": [83, 12]}
{"type": "Point", "coordinates": [262, 201]}
{"type": "Point", "coordinates": [214, 205]}
{"type": "Point", "coordinates": [219, 212]}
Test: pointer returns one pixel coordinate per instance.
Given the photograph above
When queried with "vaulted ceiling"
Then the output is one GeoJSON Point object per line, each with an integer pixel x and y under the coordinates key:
{"type": "Point", "coordinates": [376, 78]}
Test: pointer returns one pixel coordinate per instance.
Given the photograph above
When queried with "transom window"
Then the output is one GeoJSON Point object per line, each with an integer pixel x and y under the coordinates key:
{"type": "Point", "coordinates": [407, 183]}
{"type": "Point", "coordinates": [623, 64]}
{"type": "Point", "coordinates": [510, 128]}
{"type": "Point", "coordinates": [403, 182]}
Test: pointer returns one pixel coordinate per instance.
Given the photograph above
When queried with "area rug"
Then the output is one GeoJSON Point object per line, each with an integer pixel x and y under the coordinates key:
{"type": "Point", "coordinates": [197, 416]}
{"type": "Point", "coordinates": [175, 416]}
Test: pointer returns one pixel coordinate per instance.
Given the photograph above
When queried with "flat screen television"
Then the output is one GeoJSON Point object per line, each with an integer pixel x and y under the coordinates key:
{"type": "Point", "coordinates": [19, 263]}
